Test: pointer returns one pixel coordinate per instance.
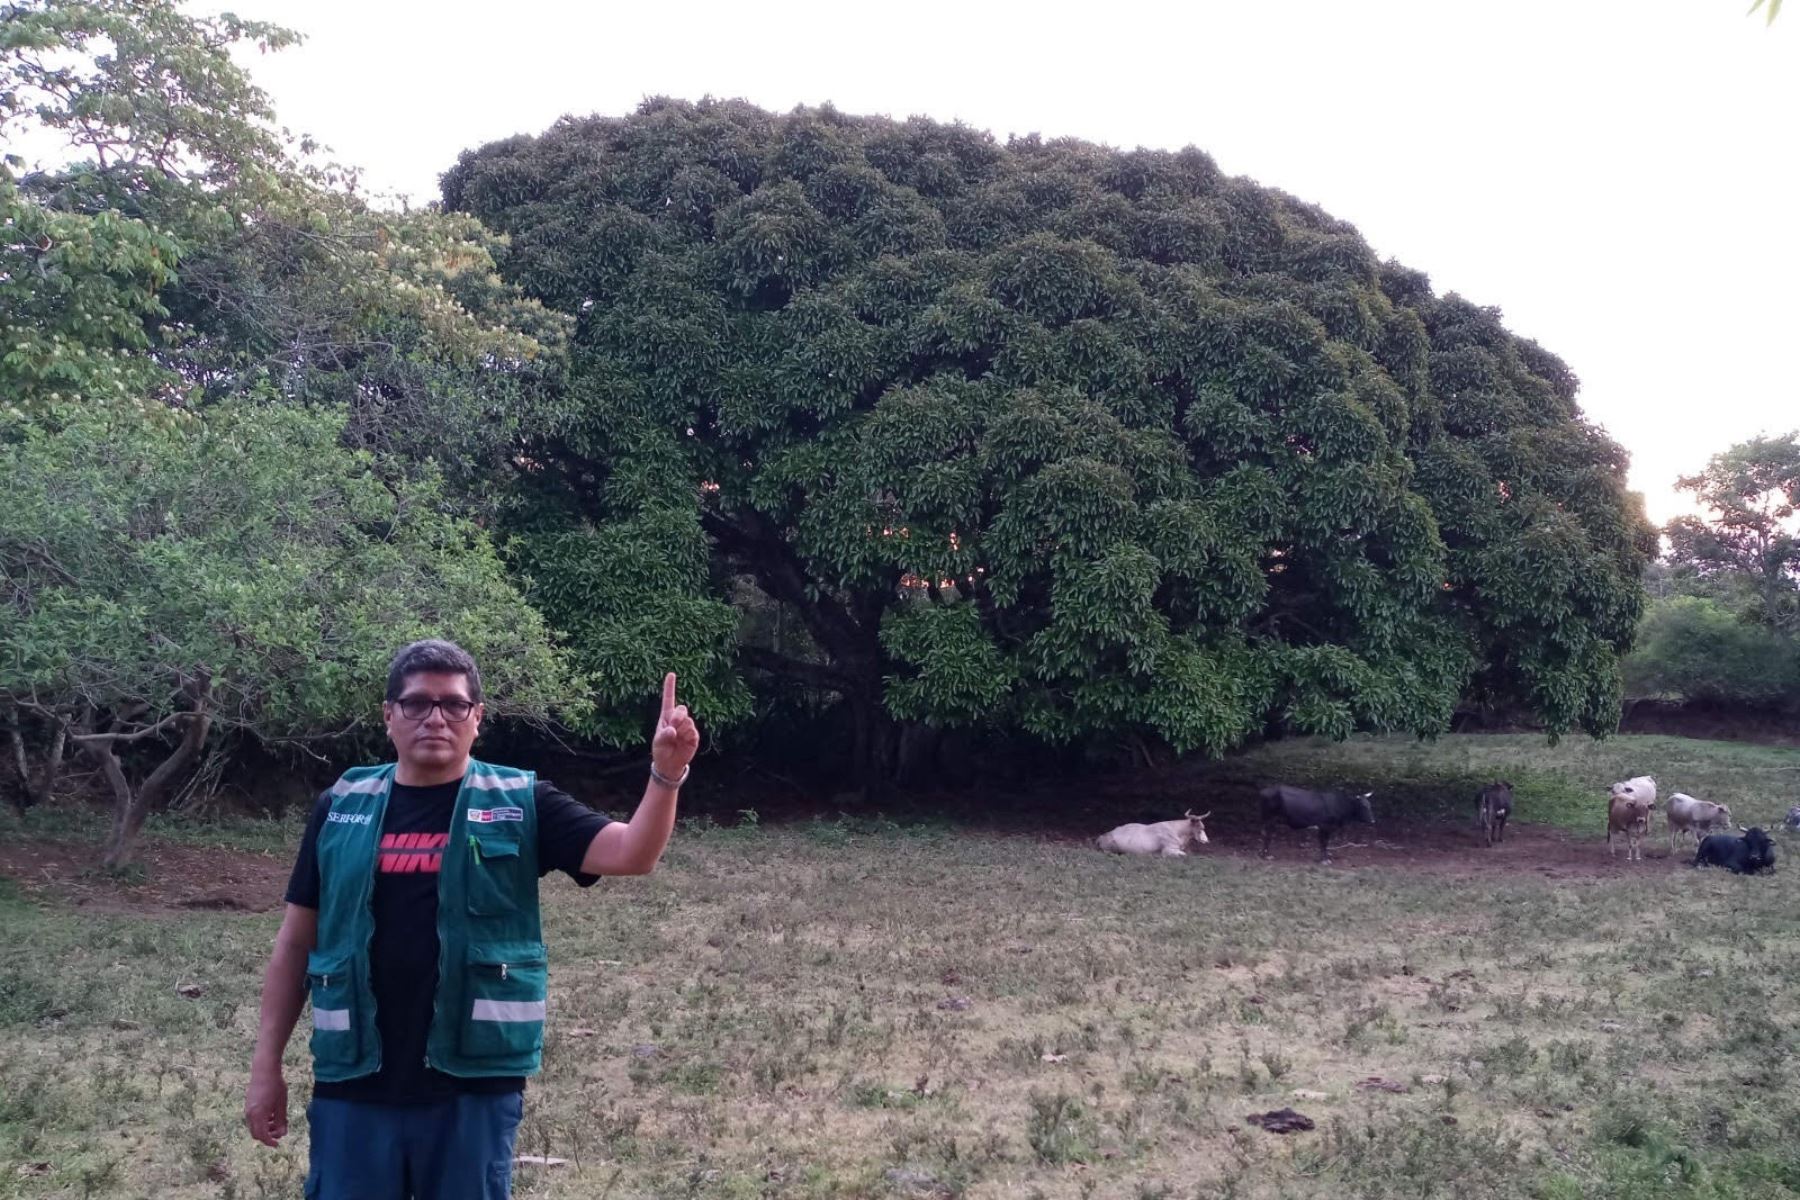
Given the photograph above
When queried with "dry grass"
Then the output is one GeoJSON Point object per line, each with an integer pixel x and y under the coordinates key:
{"type": "Point", "coordinates": [856, 1009]}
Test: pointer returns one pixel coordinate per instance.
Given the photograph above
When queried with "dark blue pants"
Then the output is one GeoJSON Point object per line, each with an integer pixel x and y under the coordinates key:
{"type": "Point", "coordinates": [460, 1149]}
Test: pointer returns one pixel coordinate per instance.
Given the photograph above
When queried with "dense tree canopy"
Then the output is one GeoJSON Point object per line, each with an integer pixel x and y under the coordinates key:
{"type": "Point", "coordinates": [1049, 436]}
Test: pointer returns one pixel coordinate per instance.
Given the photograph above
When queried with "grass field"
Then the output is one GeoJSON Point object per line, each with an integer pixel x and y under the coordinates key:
{"type": "Point", "coordinates": [872, 1008]}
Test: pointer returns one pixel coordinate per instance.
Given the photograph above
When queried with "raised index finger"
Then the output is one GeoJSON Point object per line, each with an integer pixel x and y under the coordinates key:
{"type": "Point", "coordinates": [668, 706]}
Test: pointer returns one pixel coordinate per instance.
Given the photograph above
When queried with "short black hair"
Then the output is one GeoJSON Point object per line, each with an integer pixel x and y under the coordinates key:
{"type": "Point", "coordinates": [432, 655]}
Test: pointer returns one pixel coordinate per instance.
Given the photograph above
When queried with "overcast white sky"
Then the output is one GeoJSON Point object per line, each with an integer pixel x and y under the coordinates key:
{"type": "Point", "coordinates": [1619, 178]}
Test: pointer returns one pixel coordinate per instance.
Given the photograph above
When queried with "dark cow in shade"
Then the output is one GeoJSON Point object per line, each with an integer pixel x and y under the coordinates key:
{"type": "Point", "coordinates": [1493, 806]}
{"type": "Point", "coordinates": [1302, 808]}
{"type": "Point", "coordinates": [1740, 855]}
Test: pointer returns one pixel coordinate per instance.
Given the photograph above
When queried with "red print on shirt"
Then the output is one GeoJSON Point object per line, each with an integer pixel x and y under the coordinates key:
{"type": "Point", "coordinates": [410, 853]}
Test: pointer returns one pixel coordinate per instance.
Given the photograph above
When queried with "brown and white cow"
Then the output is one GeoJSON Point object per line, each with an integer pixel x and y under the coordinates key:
{"type": "Point", "coordinates": [1630, 816]}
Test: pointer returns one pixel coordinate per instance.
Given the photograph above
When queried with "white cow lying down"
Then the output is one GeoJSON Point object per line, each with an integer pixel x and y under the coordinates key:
{"type": "Point", "coordinates": [1170, 839]}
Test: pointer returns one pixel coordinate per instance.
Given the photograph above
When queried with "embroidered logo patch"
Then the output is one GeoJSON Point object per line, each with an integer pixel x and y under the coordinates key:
{"type": "Point", "coordinates": [344, 818]}
{"type": "Point", "coordinates": [485, 815]}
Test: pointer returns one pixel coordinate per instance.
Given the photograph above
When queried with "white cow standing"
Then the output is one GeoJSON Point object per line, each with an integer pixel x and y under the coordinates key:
{"type": "Point", "coordinates": [1687, 815]}
{"type": "Point", "coordinates": [1169, 839]}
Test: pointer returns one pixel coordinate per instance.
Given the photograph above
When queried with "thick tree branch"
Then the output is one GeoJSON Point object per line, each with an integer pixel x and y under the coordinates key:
{"type": "Point", "coordinates": [133, 805]}
{"type": "Point", "coordinates": [750, 537]}
{"type": "Point", "coordinates": [115, 777]}
{"type": "Point", "coordinates": [192, 740]}
{"type": "Point", "coordinates": [110, 738]}
{"type": "Point", "coordinates": [780, 664]}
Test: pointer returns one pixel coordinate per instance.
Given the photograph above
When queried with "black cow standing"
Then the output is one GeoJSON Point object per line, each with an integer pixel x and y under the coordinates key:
{"type": "Point", "coordinates": [1740, 855]}
{"type": "Point", "coordinates": [1301, 808]}
{"type": "Point", "coordinates": [1492, 807]}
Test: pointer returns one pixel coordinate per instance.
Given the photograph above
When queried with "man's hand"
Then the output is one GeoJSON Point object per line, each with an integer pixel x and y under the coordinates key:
{"type": "Point", "coordinates": [265, 1106]}
{"type": "Point", "coordinates": [677, 737]}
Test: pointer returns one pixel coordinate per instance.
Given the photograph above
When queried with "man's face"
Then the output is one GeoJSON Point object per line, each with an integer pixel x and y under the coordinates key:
{"type": "Point", "coordinates": [431, 742]}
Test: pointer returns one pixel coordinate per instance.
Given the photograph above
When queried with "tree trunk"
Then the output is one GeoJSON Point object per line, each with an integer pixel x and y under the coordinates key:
{"type": "Point", "coordinates": [21, 765]}
{"type": "Point", "coordinates": [45, 787]}
{"type": "Point", "coordinates": [916, 757]}
{"type": "Point", "coordinates": [873, 744]}
{"type": "Point", "coordinates": [36, 790]}
{"type": "Point", "coordinates": [862, 741]}
{"type": "Point", "coordinates": [132, 805]}
{"type": "Point", "coordinates": [128, 818]}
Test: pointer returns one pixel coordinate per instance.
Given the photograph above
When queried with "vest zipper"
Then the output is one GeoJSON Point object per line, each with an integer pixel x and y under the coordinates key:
{"type": "Point", "coordinates": [502, 972]}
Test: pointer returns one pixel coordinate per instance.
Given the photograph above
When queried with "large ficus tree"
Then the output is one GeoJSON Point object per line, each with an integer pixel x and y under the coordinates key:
{"type": "Point", "coordinates": [1054, 437]}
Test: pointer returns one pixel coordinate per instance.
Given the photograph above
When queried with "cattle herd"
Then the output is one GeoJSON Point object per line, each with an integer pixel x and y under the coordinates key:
{"type": "Point", "coordinates": [1628, 815]}
{"type": "Point", "coordinates": [1629, 805]}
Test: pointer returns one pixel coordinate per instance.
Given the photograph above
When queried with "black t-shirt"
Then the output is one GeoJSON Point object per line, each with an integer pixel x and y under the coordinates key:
{"type": "Point", "coordinates": [404, 953]}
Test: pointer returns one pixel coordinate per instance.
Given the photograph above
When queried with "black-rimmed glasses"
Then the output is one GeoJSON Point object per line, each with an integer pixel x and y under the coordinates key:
{"type": "Point", "coordinates": [418, 708]}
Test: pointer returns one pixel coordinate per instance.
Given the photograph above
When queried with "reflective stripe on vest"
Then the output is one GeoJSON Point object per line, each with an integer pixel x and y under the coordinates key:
{"type": "Point", "coordinates": [499, 783]}
{"type": "Point", "coordinates": [508, 1010]}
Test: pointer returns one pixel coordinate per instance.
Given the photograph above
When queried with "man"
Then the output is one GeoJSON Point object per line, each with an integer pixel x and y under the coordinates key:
{"type": "Point", "coordinates": [412, 925]}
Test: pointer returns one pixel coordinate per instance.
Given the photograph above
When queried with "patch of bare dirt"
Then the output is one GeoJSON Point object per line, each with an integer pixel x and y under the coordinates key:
{"type": "Point", "coordinates": [166, 880]}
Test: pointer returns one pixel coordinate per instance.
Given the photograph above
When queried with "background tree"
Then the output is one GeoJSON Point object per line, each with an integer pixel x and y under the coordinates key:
{"type": "Point", "coordinates": [292, 288]}
{"type": "Point", "coordinates": [290, 285]}
{"type": "Point", "coordinates": [1722, 628]}
{"type": "Point", "coordinates": [1746, 548]}
{"type": "Point", "coordinates": [249, 415]}
{"type": "Point", "coordinates": [1055, 438]}
{"type": "Point", "coordinates": [1695, 649]}
{"type": "Point", "coordinates": [239, 569]}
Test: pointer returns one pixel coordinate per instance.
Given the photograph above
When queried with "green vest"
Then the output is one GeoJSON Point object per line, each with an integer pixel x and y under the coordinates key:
{"type": "Point", "coordinates": [488, 1011]}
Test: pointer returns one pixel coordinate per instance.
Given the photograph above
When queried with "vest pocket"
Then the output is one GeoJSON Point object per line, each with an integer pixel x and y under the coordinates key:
{"type": "Point", "coordinates": [507, 986]}
{"type": "Point", "coordinates": [493, 875]}
{"type": "Point", "coordinates": [336, 1034]}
